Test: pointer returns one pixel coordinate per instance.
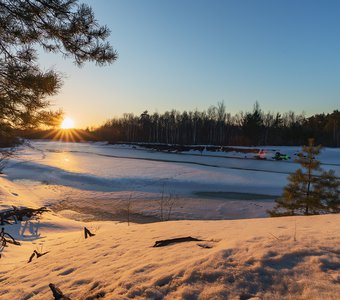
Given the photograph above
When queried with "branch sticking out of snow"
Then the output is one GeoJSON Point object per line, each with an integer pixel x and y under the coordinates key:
{"type": "Point", "coordinates": [57, 293]}
{"type": "Point", "coordinates": [88, 233]}
{"type": "Point", "coordinates": [36, 253]}
{"type": "Point", "coordinates": [163, 243]}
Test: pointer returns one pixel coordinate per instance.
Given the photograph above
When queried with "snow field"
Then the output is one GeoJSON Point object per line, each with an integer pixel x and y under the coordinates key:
{"type": "Point", "coordinates": [248, 258]}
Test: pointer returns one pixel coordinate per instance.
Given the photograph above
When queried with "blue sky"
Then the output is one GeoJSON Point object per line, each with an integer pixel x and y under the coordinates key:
{"type": "Point", "coordinates": [188, 54]}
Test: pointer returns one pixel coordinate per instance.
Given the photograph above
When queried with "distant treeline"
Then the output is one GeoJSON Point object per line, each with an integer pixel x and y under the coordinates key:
{"type": "Point", "coordinates": [215, 126]}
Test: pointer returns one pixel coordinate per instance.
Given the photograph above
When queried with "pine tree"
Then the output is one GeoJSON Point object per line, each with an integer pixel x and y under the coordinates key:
{"type": "Point", "coordinates": [310, 190]}
{"type": "Point", "coordinates": [63, 26]}
{"type": "Point", "coordinates": [253, 125]}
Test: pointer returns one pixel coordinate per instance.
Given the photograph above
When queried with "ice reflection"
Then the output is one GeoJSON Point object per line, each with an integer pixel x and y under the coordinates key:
{"type": "Point", "coordinates": [64, 160]}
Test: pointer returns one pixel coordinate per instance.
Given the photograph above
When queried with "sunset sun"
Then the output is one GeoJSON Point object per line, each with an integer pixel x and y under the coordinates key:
{"type": "Point", "coordinates": [66, 131]}
{"type": "Point", "coordinates": [67, 123]}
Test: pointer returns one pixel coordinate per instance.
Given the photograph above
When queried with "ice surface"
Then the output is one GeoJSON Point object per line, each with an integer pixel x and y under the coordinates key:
{"type": "Point", "coordinates": [203, 183]}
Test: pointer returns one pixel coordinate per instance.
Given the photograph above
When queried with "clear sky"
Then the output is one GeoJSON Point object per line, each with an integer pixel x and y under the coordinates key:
{"type": "Point", "coordinates": [188, 54]}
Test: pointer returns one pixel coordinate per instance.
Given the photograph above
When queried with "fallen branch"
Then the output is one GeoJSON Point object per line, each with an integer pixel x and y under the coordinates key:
{"type": "Point", "coordinates": [57, 293]}
{"type": "Point", "coordinates": [163, 243]}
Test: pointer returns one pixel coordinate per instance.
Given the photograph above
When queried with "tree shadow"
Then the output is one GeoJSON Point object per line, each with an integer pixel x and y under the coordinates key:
{"type": "Point", "coordinates": [27, 230]}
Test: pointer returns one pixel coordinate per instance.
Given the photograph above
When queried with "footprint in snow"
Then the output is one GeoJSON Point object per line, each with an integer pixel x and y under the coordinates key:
{"type": "Point", "coordinates": [68, 271]}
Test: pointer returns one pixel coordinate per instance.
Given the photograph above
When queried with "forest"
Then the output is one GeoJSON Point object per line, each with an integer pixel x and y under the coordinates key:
{"type": "Point", "coordinates": [214, 126]}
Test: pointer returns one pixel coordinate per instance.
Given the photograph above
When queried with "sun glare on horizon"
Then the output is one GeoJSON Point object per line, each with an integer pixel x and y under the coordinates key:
{"type": "Point", "coordinates": [66, 132]}
{"type": "Point", "coordinates": [67, 123]}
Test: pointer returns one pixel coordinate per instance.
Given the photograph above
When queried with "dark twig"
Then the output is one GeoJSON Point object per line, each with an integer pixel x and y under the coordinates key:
{"type": "Point", "coordinates": [38, 254]}
{"type": "Point", "coordinates": [163, 243]}
{"type": "Point", "coordinates": [57, 293]}
{"type": "Point", "coordinates": [88, 233]}
{"type": "Point", "coordinates": [31, 257]}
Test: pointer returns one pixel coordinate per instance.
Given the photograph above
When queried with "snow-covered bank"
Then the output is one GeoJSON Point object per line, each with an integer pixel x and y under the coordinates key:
{"type": "Point", "coordinates": [273, 258]}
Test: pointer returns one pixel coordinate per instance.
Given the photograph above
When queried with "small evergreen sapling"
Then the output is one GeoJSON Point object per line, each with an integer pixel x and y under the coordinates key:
{"type": "Point", "coordinates": [310, 190]}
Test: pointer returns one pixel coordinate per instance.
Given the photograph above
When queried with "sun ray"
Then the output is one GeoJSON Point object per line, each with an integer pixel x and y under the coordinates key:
{"type": "Point", "coordinates": [67, 133]}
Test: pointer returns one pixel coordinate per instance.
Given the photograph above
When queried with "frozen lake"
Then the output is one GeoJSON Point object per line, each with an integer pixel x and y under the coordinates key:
{"type": "Point", "coordinates": [92, 177]}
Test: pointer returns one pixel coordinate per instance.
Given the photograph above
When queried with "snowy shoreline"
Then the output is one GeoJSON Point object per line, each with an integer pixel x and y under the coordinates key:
{"type": "Point", "coordinates": [272, 258]}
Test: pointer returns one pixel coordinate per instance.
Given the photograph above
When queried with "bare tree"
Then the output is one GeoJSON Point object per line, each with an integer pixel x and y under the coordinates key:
{"type": "Point", "coordinates": [170, 202]}
{"type": "Point", "coordinates": [166, 204]}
